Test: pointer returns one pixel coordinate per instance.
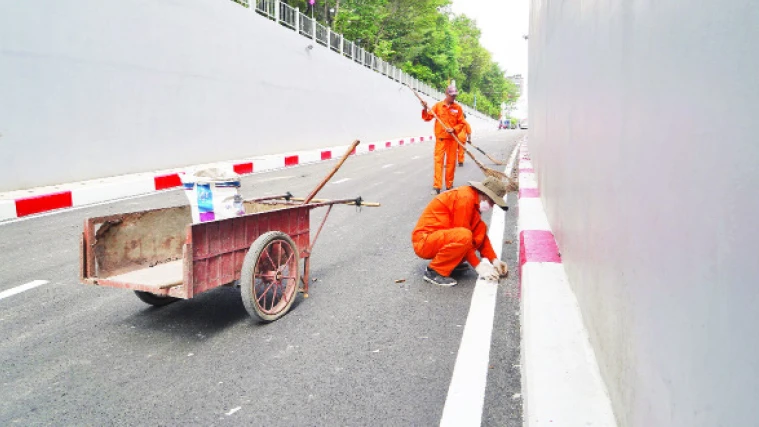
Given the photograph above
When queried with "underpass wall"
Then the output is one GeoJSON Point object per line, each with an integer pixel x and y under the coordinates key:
{"type": "Point", "coordinates": [641, 134]}
{"type": "Point", "coordinates": [91, 89]}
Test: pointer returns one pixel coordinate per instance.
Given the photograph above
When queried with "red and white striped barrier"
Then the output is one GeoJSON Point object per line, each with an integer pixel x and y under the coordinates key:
{"type": "Point", "coordinates": [81, 194]}
{"type": "Point", "coordinates": [560, 376]}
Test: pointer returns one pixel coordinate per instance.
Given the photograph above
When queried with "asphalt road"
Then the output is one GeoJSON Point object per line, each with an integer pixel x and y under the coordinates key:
{"type": "Point", "coordinates": [362, 350]}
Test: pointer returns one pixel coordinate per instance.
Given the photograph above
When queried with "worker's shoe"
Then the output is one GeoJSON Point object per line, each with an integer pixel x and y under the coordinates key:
{"type": "Point", "coordinates": [436, 278]}
{"type": "Point", "coordinates": [461, 268]}
{"type": "Point", "coordinates": [461, 163]}
{"type": "Point", "coordinates": [435, 191]}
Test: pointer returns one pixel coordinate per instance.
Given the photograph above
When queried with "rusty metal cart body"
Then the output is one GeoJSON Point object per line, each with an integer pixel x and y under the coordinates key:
{"type": "Point", "coordinates": [162, 256]}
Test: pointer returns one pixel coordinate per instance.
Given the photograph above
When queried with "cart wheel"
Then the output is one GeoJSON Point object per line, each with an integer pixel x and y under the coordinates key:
{"type": "Point", "coordinates": [154, 299]}
{"type": "Point", "coordinates": [269, 277]}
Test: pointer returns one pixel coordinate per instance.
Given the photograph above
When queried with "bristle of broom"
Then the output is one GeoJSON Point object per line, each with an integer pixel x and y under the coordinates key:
{"type": "Point", "coordinates": [511, 184]}
{"type": "Point", "coordinates": [496, 161]}
{"type": "Point", "coordinates": [495, 174]}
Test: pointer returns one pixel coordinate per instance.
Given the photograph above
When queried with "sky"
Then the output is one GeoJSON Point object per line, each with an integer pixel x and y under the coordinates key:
{"type": "Point", "coordinates": [503, 23]}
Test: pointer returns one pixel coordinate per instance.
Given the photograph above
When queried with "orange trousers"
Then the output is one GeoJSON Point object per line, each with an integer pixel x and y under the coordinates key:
{"type": "Point", "coordinates": [460, 150]}
{"type": "Point", "coordinates": [445, 153]}
{"type": "Point", "coordinates": [446, 248]}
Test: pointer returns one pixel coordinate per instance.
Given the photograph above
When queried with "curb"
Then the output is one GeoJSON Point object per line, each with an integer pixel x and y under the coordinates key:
{"type": "Point", "coordinates": [86, 193]}
{"type": "Point", "coordinates": [561, 382]}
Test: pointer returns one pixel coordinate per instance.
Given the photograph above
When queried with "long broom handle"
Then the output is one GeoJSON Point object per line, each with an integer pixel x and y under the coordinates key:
{"type": "Point", "coordinates": [332, 173]}
{"type": "Point", "coordinates": [448, 127]}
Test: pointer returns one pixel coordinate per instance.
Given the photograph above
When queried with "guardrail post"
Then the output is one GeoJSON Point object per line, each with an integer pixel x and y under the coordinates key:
{"type": "Point", "coordinates": [297, 20]}
{"type": "Point", "coordinates": [276, 11]}
{"type": "Point", "coordinates": [313, 30]}
{"type": "Point", "coordinates": [342, 44]}
{"type": "Point", "coordinates": [329, 38]}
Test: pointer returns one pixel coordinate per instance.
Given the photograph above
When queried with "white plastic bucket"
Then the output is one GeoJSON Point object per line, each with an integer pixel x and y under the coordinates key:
{"type": "Point", "coordinates": [213, 195]}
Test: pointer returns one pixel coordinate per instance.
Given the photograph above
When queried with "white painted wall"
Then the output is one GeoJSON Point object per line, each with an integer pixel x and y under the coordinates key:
{"type": "Point", "coordinates": [92, 88]}
{"type": "Point", "coordinates": [642, 136]}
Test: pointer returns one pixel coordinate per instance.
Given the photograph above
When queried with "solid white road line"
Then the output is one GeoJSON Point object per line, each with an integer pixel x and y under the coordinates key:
{"type": "Point", "coordinates": [22, 288]}
{"type": "Point", "coordinates": [466, 393]}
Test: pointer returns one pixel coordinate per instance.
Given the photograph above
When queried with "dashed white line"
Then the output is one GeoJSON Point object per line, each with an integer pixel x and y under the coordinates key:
{"type": "Point", "coordinates": [22, 288]}
{"type": "Point", "coordinates": [387, 166]}
{"type": "Point", "coordinates": [340, 181]}
{"type": "Point", "coordinates": [233, 410]}
{"type": "Point", "coordinates": [276, 178]}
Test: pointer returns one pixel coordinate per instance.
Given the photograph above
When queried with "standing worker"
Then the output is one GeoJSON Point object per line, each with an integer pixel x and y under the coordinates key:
{"type": "Point", "coordinates": [451, 231]}
{"type": "Point", "coordinates": [450, 113]}
{"type": "Point", "coordinates": [466, 137]}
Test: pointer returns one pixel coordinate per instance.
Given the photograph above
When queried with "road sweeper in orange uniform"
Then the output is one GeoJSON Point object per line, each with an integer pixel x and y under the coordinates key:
{"type": "Point", "coordinates": [450, 232]}
{"type": "Point", "coordinates": [446, 147]}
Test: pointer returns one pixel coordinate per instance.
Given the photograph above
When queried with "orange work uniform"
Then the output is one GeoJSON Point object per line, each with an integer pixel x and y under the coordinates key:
{"type": "Point", "coordinates": [445, 146]}
{"type": "Point", "coordinates": [451, 230]}
{"type": "Point", "coordinates": [465, 132]}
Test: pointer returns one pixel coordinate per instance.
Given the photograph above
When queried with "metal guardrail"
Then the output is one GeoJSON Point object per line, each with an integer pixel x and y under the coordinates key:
{"type": "Point", "coordinates": [293, 19]}
{"type": "Point", "coordinates": [288, 16]}
{"type": "Point", "coordinates": [306, 26]}
{"type": "Point", "coordinates": [267, 8]}
{"type": "Point", "coordinates": [359, 56]}
{"type": "Point", "coordinates": [347, 48]}
{"type": "Point", "coordinates": [334, 41]}
{"type": "Point", "coordinates": [321, 34]}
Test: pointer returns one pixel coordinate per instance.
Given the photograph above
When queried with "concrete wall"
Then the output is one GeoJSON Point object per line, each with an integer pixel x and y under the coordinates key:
{"type": "Point", "coordinates": [641, 134]}
{"type": "Point", "coordinates": [92, 88]}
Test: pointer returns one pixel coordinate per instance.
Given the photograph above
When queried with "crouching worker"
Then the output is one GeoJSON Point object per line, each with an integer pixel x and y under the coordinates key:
{"type": "Point", "coordinates": [451, 231]}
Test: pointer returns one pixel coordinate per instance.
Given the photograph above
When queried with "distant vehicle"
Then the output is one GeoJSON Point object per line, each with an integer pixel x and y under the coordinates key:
{"type": "Point", "coordinates": [507, 124]}
{"type": "Point", "coordinates": [523, 124]}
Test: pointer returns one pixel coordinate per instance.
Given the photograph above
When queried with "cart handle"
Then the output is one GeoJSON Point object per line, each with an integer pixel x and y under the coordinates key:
{"type": "Point", "coordinates": [325, 202]}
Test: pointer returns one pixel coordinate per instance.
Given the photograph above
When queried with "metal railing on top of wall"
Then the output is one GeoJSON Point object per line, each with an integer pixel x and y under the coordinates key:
{"type": "Point", "coordinates": [291, 18]}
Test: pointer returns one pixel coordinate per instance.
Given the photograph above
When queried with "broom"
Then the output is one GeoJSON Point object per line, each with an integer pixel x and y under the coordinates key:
{"type": "Point", "coordinates": [498, 162]}
{"type": "Point", "coordinates": [486, 170]}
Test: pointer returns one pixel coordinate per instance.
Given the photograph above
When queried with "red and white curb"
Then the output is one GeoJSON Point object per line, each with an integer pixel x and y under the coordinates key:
{"type": "Point", "coordinates": [561, 382]}
{"type": "Point", "coordinates": [87, 193]}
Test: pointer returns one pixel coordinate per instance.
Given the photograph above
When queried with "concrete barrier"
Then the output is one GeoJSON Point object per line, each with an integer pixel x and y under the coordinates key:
{"type": "Point", "coordinates": [643, 142]}
{"type": "Point", "coordinates": [93, 89]}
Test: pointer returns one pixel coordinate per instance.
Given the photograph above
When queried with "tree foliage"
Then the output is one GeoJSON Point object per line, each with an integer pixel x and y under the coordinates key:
{"type": "Point", "coordinates": [426, 40]}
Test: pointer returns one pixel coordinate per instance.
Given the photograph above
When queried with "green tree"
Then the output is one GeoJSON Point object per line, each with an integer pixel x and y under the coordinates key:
{"type": "Point", "coordinates": [425, 40]}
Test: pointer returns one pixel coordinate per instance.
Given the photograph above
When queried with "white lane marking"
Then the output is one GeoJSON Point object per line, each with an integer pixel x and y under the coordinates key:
{"type": "Point", "coordinates": [276, 178]}
{"type": "Point", "coordinates": [387, 166]}
{"type": "Point", "coordinates": [466, 393]}
{"type": "Point", "coordinates": [416, 157]}
{"type": "Point", "coordinates": [232, 411]}
{"type": "Point", "coordinates": [340, 181]}
{"type": "Point", "coordinates": [22, 288]}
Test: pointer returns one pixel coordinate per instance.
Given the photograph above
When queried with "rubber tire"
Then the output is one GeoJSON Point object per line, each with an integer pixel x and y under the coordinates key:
{"type": "Point", "coordinates": [248, 269]}
{"type": "Point", "coordinates": [154, 299]}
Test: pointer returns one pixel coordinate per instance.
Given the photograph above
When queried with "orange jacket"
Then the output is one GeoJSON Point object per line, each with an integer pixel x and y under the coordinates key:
{"type": "Point", "coordinates": [457, 208]}
{"type": "Point", "coordinates": [452, 115]}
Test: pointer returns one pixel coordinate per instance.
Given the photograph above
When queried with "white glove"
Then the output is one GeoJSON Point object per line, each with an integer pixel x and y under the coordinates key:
{"type": "Point", "coordinates": [486, 270]}
{"type": "Point", "coordinates": [501, 267]}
